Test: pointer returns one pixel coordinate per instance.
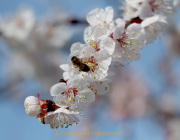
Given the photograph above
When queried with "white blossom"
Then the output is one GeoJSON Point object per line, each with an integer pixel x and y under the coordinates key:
{"type": "Point", "coordinates": [101, 17]}
{"type": "Point", "coordinates": [98, 38]}
{"type": "Point", "coordinates": [32, 106]}
{"type": "Point", "coordinates": [88, 71]}
{"type": "Point", "coordinates": [19, 26]}
{"type": "Point", "coordinates": [153, 27]}
{"type": "Point", "coordinates": [60, 117]}
{"type": "Point", "coordinates": [51, 35]}
{"type": "Point", "coordinates": [98, 62]}
{"type": "Point", "coordinates": [151, 8]}
{"type": "Point", "coordinates": [74, 93]}
{"type": "Point", "coordinates": [128, 42]}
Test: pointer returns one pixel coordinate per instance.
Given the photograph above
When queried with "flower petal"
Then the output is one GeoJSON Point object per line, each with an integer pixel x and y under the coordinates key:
{"type": "Point", "coordinates": [108, 44]}
{"type": "Point", "coordinates": [89, 95]}
{"type": "Point", "coordinates": [109, 14]}
{"type": "Point", "coordinates": [96, 16]}
{"type": "Point", "coordinates": [119, 30]}
{"type": "Point", "coordinates": [57, 89]}
{"type": "Point", "coordinates": [64, 67]}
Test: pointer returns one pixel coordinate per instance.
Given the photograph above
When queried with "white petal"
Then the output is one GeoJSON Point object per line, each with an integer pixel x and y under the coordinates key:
{"type": "Point", "coordinates": [89, 95]}
{"type": "Point", "coordinates": [146, 11]}
{"type": "Point", "coordinates": [57, 89]}
{"type": "Point", "coordinates": [105, 63]}
{"type": "Point", "coordinates": [60, 101]}
{"type": "Point", "coordinates": [72, 119]}
{"type": "Point", "coordinates": [109, 14]}
{"type": "Point", "coordinates": [107, 44]}
{"type": "Point", "coordinates": [102, 87]}
{"type": "Point", "coordinates": [76, 47]}
{"type": "Point", "coordinates": [49, 117]}
{"type": "Point", "coordinates": [80, 106]}
{"type": "Point", "coordinates": [102, 55]}
{"type": "Point", "coordinates": [152, 20]}
{"type": "Point", "coordinates": [119, 21]}
{"type": "Point", "coordinates": [33, 110]}
{"type": "Point", "coordinates": [62, 110]}
{"type": "Point", "coordinates": [66, 75]}
{"type": "Point", "coordinates": [31, 100]}
{"type": "Point", "coordinates": [100, 31]}
{"type": "Point", "coordinates": [87, 52]}
{"type": "Point", "coordinates": [55, 122]}
{"type": "Point", "coordinates": [78, 83]}
{"type": "Point", "coordinates": [119, 30]}
{"type": "Point", "coordinates": [96, 16]}
{"type": "Point", "coordinates": [64, 67]}
{"type": "Point", "coordinates": [88, 34]}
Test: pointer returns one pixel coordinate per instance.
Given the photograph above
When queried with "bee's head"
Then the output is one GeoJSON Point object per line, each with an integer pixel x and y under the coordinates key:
{"type": "Point", "coordinates": [73, 58]}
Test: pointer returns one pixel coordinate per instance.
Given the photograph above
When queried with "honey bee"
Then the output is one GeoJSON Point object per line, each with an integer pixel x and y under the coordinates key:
{"type": "Point", "coordinates": [77, 62]}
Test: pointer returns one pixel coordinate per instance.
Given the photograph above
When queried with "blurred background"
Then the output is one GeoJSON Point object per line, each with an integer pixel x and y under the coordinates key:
{"type": "Point", "coordinates": [144, 101]}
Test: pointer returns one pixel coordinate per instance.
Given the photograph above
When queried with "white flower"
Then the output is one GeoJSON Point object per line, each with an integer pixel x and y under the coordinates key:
{"type": "Point", "coordinates": [98, 62]}
{"type": "Point", "coordinates": [152, 7]}
{"type": "Point", "coordinates": [98, 87]}
{"type": "Point", "coordinates": [131, 9]}
{"type": "Point", "coordinates": [60, 117]}
{"type": "Point", "coordinates": [32, 106]}
{"type": "Point", "coordinates": [74, 92]}
{"type": "Point", "coordinates": [98, 39]}
{"type": "Point", "coordinates": [101, 17]}
{"type": "Point", "coordinates": [19, 26]}
{"type": "Point", "coordinates": [153, 27]}
{"type": "Point", "coordinates": [52, 36]}
{"type": "Point", "coordinates": [128, 42]}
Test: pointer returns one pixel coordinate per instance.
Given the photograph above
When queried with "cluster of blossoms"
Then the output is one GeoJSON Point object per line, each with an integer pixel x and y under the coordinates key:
{"type": "Point", "coordinates": [108, 43]}
{"type": "Point", "coordinates": [23, 30]}
{"type": "Point", "coordinates": [35, 44]}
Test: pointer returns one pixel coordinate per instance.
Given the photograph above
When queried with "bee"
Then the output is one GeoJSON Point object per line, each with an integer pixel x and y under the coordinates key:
{"type": "Point", "coordinates": [77, 62]}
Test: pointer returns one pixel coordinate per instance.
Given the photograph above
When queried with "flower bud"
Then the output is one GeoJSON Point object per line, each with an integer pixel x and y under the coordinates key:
{"type": "Point", "coordinates": [32, 106]}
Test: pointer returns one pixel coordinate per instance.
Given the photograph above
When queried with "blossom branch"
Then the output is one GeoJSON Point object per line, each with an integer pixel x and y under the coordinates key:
{"type": "Point", "coordinates": [108, 43]}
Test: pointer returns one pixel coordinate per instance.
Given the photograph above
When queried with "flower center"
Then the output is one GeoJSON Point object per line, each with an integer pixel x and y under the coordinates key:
{"type": "Point", "coordinates": [94, 44]}
{"type": "Point", "coordinates": [106, 25]}
{"type": "Point", "coordinates": [91, 62]}
{"type": "Point", "coordinates": [71, 93]}
{"type": "Point", "coordinates": [123, 40]}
